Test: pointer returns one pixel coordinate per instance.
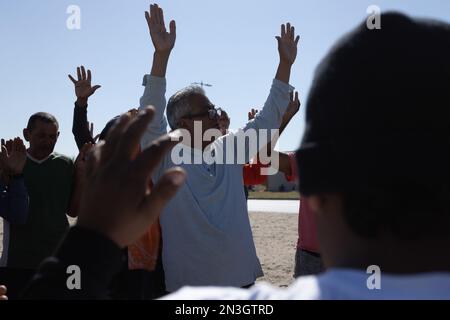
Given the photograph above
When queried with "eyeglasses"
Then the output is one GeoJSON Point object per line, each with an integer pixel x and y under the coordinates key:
{"type": "Point", "coordinates": [213, 113]}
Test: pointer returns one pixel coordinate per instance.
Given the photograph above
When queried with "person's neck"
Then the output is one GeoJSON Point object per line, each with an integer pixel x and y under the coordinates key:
{"type": "Point", "coordinates": [396, 257]}
{"type": "Point", "coordinates": [36, 156]}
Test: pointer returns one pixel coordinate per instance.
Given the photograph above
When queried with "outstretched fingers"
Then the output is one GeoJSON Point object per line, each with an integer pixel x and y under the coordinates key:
{"type": "Point", "coordinates": [79, 73]}
{"type": "Point", "coordinates": [113, 138]}
{"type": "Point", "coordinates": [164, 190]}
{"type": "Point", "coordinates": [148, 159]}
{"type": "Point", "coordinates": [130, 139]}
{"type": "Point", "coordinates": [72, 79]}
{"type": "Point", "coordinates": [173, 27]}
{"type": "Point", "coordinates": [161, 17]}
{"type": "Point", "coordinates": [83, 73]}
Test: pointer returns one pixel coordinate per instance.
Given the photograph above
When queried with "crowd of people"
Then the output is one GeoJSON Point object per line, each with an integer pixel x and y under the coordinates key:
{"type": "Point", "coordinates": [372, 170]}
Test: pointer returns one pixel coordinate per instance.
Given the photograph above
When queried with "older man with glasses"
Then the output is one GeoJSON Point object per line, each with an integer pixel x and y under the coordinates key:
{"type": "Point", "coordinates": [207, 238]}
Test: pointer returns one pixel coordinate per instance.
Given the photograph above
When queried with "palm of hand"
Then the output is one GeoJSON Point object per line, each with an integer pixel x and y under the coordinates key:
{"type": "Point", "coordinates": [288, 50]}
{"type": "Point", "coordinates": [16, 161]}
{"type": "Point", "coordinates": [293, 107]}
{"type": "Point", "coordinates": [162, 40]}
{"type": "Point", "coordinates": [83, 89]}
{"type": "Point", "coordinates": [287, 44]}
{"type": "Point", "coordinates": [13, 156]}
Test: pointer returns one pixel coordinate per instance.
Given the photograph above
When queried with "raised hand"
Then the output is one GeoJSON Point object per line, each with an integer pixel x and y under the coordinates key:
{"type": "Point", "coordinates": [114, 171]}
{"type": "Point", "coordinates": [291, 111]}
{"type": "Point", "coordinates": [252, 114]}
{"type": "Point", "coordinates": [13, 156]}
{"type": "Point", "coordinates": [163, 41]}
{"type": "Point", "coordinates": [83, 87]}
{"type": "Point", "coordinates": [294, 105]}
{"type": "Point", "coordinates": [287, 44]}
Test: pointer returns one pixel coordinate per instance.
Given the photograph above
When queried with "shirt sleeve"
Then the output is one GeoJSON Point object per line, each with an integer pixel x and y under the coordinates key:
{"type": "Point", "coordinates": [154, 95]}
{"type": "Point", "coordinates": [80, 127]}
{"type": "Point", "coordinates": [268, 119]}
{"type": "Point", "coordinates": [14, 202]}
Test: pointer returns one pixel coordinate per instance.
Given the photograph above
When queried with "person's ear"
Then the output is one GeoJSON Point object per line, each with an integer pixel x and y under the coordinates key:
{"type": "Point", "coordinates": [26, 134]}
{"type": "Point", "coordinates": [57, 135]}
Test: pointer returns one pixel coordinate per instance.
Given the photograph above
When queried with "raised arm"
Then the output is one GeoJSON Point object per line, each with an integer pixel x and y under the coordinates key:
{"type": "Point", "coordinates": [155, 83]}
{"type": "Point", "coordinates": [271, 115]}
{"type": "Point", "coordinates": [163, 41]}
{"type": "Point", "coordinates": [83, 90]}
{"type": "Point", "coordinates": [287, 49]}
{"type": "Point", "coordinates": [291, 111]}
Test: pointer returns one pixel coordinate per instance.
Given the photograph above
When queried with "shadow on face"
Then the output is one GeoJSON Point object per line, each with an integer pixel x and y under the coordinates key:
{"type": "Point", "coordinates": [42, 138]}
{"type": "Point", "coordinates": [201, 114]}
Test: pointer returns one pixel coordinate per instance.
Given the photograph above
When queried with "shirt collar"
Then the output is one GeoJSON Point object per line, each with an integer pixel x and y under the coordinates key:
{"type": "Point", "coordinates": [38, 161]}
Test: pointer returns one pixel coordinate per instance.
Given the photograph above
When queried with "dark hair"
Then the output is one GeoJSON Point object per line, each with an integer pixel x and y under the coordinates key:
{"type": "Point", "coordinates": [43, 117]}
{"type": "Point", "coordinates": [378, 128]}
{"type": "Point", "coordinates": [108, 127]}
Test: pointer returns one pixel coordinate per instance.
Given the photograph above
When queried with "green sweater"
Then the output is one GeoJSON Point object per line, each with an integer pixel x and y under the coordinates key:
{"type": "Point", "coordinates": [49, 186]}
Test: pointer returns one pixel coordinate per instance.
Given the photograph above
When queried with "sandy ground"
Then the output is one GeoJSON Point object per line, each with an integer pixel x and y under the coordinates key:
{"type": "Point", "coordinates": [275, 237]}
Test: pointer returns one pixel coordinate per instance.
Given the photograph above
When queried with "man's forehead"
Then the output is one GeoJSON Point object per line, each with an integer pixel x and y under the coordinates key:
{"type": "Point", "coordinates": [45, 126]}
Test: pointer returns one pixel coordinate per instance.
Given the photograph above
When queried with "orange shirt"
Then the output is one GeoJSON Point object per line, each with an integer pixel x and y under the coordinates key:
{"type": "Point", "coordinates": [143, 254]}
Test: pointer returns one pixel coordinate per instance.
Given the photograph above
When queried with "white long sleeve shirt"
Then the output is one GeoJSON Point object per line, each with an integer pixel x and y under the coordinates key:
{"type": "Point", "coordinates": [207, 238]}
{"type": "Point", "coordinates": [335, 284]}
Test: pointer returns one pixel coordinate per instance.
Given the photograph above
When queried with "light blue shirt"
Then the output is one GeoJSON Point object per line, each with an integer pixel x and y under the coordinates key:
{"type": "Point", "coordinates": [207, 238]}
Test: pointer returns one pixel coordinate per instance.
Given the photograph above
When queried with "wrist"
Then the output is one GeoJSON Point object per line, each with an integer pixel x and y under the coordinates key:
{"type": "Point", "coordinates": [162, 54]}
{"type": "Point", "coordinates": [285, 64]}
{"type": "Point", "coordinates": [283, 72]}
{"type": "Point", "coordinates": [82, 102]}
{"type": "Point", "coordinates": [160, 61]}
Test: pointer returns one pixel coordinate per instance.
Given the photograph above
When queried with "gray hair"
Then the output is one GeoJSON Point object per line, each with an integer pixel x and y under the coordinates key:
{"type": "Point", "coordinates": [178, 105]}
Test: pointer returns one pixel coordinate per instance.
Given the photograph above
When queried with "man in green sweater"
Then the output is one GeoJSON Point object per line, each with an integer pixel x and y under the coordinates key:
{"type": "Point", "coordinates": [51, 181]}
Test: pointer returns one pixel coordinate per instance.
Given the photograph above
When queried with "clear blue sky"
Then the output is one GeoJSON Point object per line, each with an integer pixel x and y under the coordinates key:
{"type": "Point", "coordinates": [230, 44]}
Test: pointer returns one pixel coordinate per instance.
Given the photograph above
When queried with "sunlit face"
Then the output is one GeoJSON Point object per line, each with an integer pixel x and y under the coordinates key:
{"type": "Point", "coordinates": [42, 139]}
{"type": "Point", "coordinates": [201, 111]}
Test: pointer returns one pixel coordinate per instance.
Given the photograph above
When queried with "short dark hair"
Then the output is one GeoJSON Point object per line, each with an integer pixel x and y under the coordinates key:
{"type": "Point", "coordinates": [104, 134]}
{"type": "Point", "coordinates": [43, 117]}
{"type": "Point", "coordinates": [378, 128]}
